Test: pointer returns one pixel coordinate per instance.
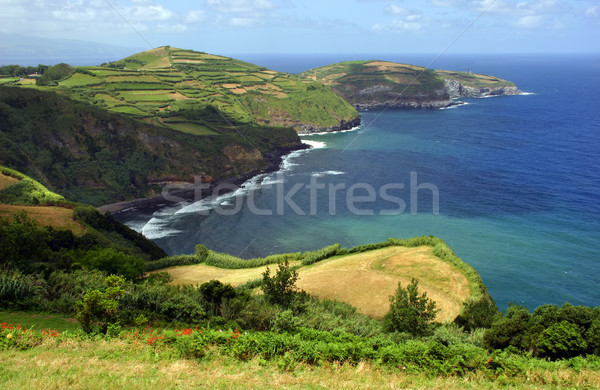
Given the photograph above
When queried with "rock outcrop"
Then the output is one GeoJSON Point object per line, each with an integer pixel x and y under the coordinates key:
{"type": "Point", "coordinates": [457, 90]}
{"type": "Point", "coordinates": [344, 125]}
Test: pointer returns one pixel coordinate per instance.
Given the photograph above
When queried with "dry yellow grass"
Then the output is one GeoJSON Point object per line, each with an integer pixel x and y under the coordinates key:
{"type": "Point", "coordinates": [364, 280]}
{"type": "Point", "coordinates": [149, 92]}
{"type": "Point", "coordinates": [57, 217]}
{"type": "Point", "coordinates": [403, 79]}
{"type": "Point", "coordinates": [178, 96]}
{"type": "Point", "coordinates": [391, 66]}
{"type": "Point", "coordinates": [201, 273]}
{"type": "Point", "coordinates": [186, 61]}
{"type": "Point", "coordinates": [230, 85]}
{"type": "Point", "coordinates": [6, 181]}
{"type": "Point", "coordinates": [332, 77]}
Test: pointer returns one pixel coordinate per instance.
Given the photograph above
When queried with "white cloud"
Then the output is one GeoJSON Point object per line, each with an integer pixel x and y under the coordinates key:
{"type": "Point", "coordinates": [413, 22]}
{"type": "Point", "coordinates": [240, 6]}
{"type": "Point", "coordinates": [530, 21]}
{"type": "Point", "coordinates": [592, 11]}
{"type": "Point", "coordinates": [439, 3]}
{"type": "Point", "coordinates": [244, 22]}
{"type": "Point", "coordinates": [195, 16]}
{"type": "Point", "coordinates": [393, 9]}
{"type": "Point", "coordinates": [147, 13]}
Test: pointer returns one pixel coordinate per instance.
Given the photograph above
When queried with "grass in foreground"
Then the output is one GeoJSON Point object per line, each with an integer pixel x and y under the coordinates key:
{"type": "Point", "coordinates": [39, 320]}
{"type": "Point", "coordinates": [101, 364]}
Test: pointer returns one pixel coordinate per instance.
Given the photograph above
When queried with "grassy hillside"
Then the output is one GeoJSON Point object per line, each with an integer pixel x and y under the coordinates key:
{"type": "Point", "coordinates": [41, 231]}
{"type": "Point", "coordinates": [169, 87]}
{"type": "Point", "coordinates": [94, 156]}
{"type": "Point", "coordinates": [364, 277]}
{"type": "Point", "coordinates": [368, 84]}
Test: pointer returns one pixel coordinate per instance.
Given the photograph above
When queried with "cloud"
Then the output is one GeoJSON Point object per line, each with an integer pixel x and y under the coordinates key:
{"type": "Point", "coordinates": [240, 6]}
{"type": "Point", "coordinates": [592, 11]}
{"type": "Point", "coordinates": [393, 9]}
{"type": "Point", "coordinates": [195, 16]}
{"type": "Point", "coordinates": [412, 22]}
{"type": "Point", "coordinates": [530, 21]}
{"type": "Point", "coordinates": [244, 22]}
{"type": "Point", "coordinates": [439, 3]}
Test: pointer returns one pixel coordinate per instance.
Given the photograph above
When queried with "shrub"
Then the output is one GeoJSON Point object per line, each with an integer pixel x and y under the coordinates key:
{"type": "Point", "coordinates": [410, 312]}
{"type": "Point", "coordinates": [561, 340]}
{"type": "Point", "coordinates": [322, 254]}
{"type": "Point", "coordinates": [284, 321]}
{"type": "Point", "coordinates": [280, 288]}
{"type": "Point", "coordinates": [100, 308]}
{"type": "Point", "coordinates": [477, 314]}
{"type": "Point", "coordinates": [201, 252]}
{"type": "Point", "coordinates": [113, 261]}
{"type": "Point", "coordinates": [214, 292]}
{"type": "Point", "coordinates": [509, 330]}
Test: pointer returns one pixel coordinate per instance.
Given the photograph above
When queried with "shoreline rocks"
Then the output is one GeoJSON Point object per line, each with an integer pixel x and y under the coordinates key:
{"type": "Point", "coordinates": [195, 191]}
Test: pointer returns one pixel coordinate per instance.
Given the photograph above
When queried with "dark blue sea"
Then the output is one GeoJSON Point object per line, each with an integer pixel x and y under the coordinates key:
{"type": "Point", "coordinates": [511, 183]}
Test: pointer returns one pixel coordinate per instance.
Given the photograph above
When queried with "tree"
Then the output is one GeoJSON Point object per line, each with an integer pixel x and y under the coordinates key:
{"type": "Point", "coordinates": [280, 288]}
{"type": "Point", "coordinates": [100, 308]}
{"type": "Point", "coordinates": [201, 252]}
{"type": "Point", "coordinates": [478, 314]}
{"type": "Point", "coordinates": [410, 312]}
{"type": "Point", "coordinates": [214, 292]}
{"type": "Point", "coordinates": [561, 340]}
{"type": "Point", "coordinates": [115, 262]}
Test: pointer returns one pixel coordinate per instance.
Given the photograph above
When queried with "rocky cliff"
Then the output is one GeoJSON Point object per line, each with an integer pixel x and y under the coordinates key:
{"type": "Point", "coordinates": [380, 84]}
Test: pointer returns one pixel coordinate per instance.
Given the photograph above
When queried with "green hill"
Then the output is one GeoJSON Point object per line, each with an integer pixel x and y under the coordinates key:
{"type": "Point", "coordinates": [124, 130]}
{"type": "Point", "coordinates": [169, 87]}
{"type": "Point", "coordinates": [41, 231]}
{"type": "Point", "coordinates": [374, 84]}
{"type": "Point", "coordinates": [95, 156]}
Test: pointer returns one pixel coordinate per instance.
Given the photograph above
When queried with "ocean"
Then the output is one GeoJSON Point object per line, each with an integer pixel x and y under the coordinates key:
{"type": "Point", "coordinates": [511, 183]}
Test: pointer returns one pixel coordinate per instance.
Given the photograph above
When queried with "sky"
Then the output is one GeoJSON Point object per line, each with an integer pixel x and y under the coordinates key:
{"type": "Point", "coordinates": [315, 26]}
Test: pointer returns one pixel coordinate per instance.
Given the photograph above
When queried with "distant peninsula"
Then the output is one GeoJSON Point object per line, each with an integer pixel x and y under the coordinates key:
{"type": "Point", "coordinates": [381, 84]}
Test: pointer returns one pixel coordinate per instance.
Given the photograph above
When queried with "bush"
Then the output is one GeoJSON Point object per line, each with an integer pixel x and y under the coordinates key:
{"type": "Point", "coordinates": [561, 340]}
{"type": "Point", "coordinates": [280, 288]}
{"type": "Point", "coordinates": [322, 254]}
{"type": "Point", "coordinates": [18, 291]}
{"type": "Point", "coordinates": [201, 253]}
{"type": "Point", "coordinates": [410, 312]}
{"type": "Point", "coordinates": [100, 308]}
{"type": "Point", "coordinates": [284, 321]}
{"type": "Point", "coordinates": [477, 314]}
{"type": "Point", "coordinates": [112, 261]}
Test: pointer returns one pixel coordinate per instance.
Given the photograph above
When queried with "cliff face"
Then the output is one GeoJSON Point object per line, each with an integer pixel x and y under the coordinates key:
{"type": "Point", "coordinates": [456, 90]}
{"type": "Point", "coordinates": [380, 84]}
{"type": "Point", "coordinates": [344, 125]}
{"type": "Point", "coordinates": [96, 157]}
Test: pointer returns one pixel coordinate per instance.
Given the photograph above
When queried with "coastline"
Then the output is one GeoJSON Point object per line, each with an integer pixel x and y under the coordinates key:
{"type": "Point", "coordinates": [190, 191]}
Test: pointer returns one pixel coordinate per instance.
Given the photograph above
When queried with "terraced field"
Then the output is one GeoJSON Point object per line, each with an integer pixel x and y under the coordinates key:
{"type": "Point", "coordinates": [166, 82]}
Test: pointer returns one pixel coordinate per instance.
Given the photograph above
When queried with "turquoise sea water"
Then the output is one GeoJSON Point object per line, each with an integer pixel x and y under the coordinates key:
{"type": "Point", "coordinates": [517, 177]}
